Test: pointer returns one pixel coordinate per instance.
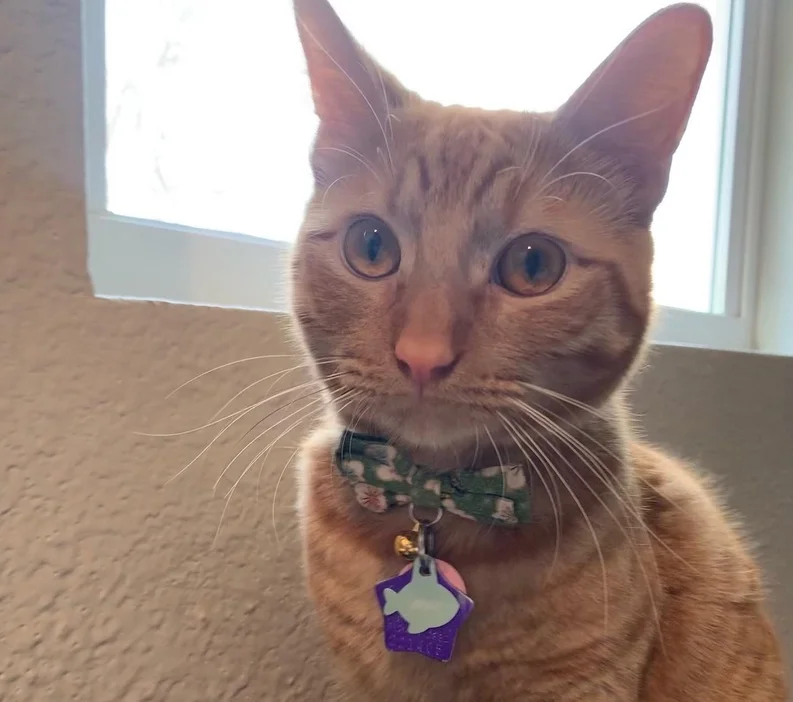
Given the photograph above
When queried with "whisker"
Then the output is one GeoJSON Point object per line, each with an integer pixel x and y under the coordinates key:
{"type": "Point", "coordinates": [501, 465]}
{"type": "Point", "coordinates": [261, 467]}
{"type": "Point", "coordinates": [215, 421]}
{"type": "Point", "coordinates": [327, 190]}
{"type": "Point", "coordinates": [227, 365]}
{"type": "Point", "coordinates": [275, 492]}
{"type": "Point", "coordinates": [565, 437]}
{"type": "Point", "coordinates": [531, 152]}
{"type": "Point", "coordinates": [278, 423]}
{"type": "Point", "coordinates": [572, 175]}
{"type": "Point", "coordinates": [322, 388]}
{"type": "Point", "coordinates": [388, 117]}
{"type": "Point", "coordinates": [280, 374]}
{"type": "Point", "coordinates": [350, 398]}
{"type": "Point", "coordinates": [233, 488]}
{"type": "Point", "coordinates": [359, 411]}
{"type": "Point", "coordinates": [352, 154]}
{"type": "Point", "coordinates": [580, 506]}
{"type": "Point", "coordinates": [600, 470]}
{"type": "Point", "coordinates": [556, 512]}
{"type": "Point", "coordinates": [194, 430]}
{"type": "Point", "coordinates": [565, 399]}
{"type": "Point", "coordinates": [260, 435]}
{"type": "Point", "coordinates": [211, 443]}
{"type": "Point", "coordinates": [598, 133]}
{"type": "Point", "coordinates": [607, 450]}
{"type": "Point", "coordinates": [264, 453]}
{"type": "Point", "coordinates": [233, 422]}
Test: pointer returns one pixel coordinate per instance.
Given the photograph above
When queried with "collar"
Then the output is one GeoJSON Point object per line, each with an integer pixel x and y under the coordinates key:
{"type": "Point", "coordinates": [383, 478]}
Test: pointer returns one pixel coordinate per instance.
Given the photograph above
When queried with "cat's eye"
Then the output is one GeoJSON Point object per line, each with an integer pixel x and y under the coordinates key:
{"type": "Point", "coordinates": [530, 265]}
{"type": "Point", "coordinates": [371, 249]}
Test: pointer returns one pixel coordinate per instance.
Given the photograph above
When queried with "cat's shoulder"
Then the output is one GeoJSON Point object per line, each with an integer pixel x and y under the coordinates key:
{"type": "Point", "coordinates": [698, 540]}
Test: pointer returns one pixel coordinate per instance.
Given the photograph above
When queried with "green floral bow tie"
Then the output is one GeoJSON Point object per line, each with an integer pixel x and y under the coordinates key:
{"type": "Point", "coordinates": [383, 478]}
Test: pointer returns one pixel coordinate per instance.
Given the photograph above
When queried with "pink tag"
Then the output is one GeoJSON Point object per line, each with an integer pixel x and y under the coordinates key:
{"type": "Point", "coordinates": [448, 571]}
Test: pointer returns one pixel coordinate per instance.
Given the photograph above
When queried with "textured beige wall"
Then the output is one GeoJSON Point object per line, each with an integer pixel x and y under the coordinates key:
{"type": "Point", "coordinates": [113, 585]}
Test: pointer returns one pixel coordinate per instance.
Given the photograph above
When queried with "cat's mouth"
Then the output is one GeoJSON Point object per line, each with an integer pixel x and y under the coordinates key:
{"type": "Point", "coordinates": [420, 420]}
{"type": "Point", "coordinates": [446, 415]}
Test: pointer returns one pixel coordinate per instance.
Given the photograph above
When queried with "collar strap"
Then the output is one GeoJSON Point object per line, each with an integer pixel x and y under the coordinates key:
{"type": "Point", "coordinates": [383, 478]}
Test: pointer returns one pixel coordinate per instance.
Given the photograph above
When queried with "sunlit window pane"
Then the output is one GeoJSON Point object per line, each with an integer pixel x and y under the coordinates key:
{"type": "Point", "coordinates": [210, 120]}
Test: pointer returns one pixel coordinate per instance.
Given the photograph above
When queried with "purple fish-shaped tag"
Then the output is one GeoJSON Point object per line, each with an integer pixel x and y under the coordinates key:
{"type": "Point", "coordinates": [422, 610]}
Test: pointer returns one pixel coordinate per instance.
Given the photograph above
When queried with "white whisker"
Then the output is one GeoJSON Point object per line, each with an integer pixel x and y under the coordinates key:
{"type": "Point", "coordinates": [226, 365]}
{"type": "Point", "coordinates": [592, 461]}
{"type": "Point", "coordinates": [349, 397]}
{"type": "Point", "coordinates": [565, 398]}
{"type": "Point", "coordinates": [194, 430]}
{"type": "Point", "coordinates": [260, 435]}
{"type": "Point", "coordinates": [537, 416]}
{"type": "Point", "coordinates": [598, 133]}
{"type": "Point", "coordinates": [277, 375]}
{"type": "Point", "coordinates": [327, 190]}
{"type": "Point", "coordinates": [267, 449]}
{"type": "Point", "coordinates": [352, 154]}
{"type": "Point", "coordinates": [526, 436]}
{"type": "Point", "coordinates": [573, 175]}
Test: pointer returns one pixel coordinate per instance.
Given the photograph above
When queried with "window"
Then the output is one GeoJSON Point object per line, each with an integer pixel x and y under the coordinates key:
{"type": "Point", "coordinates": [199, 121]}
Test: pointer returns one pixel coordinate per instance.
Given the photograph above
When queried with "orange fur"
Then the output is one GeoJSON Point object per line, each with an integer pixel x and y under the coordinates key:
{"type": "Point", "coordinates": [630, 583]}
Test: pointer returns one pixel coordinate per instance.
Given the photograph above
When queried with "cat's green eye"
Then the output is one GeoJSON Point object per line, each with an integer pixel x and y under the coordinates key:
{"type": "Point", "coordinates": [530, 265]}
{"type": "Point", "coordinates": [371, 249]}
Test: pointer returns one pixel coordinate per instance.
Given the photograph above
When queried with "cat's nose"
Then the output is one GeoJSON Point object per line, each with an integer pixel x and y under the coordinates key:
{"type": "Point", "coordinates": [425, 360]}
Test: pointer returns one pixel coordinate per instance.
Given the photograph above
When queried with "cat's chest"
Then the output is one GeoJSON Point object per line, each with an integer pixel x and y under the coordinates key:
{"type": "Point", "coordinates": [511, 647]}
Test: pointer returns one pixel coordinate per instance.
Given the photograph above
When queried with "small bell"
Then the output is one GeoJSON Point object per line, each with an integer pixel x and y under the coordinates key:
{"type": "Point", "coordinates": [406, 545]}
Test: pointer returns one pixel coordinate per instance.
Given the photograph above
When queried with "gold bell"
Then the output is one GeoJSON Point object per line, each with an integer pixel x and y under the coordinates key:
{"type": "Point", "coordinates": [406, 545]}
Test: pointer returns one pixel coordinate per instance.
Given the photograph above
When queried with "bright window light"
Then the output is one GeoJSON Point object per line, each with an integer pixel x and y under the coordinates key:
{"type": "Point", "coordinates": [209, 117]}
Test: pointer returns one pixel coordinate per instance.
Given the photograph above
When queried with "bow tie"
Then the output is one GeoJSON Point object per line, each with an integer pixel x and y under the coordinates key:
{"type": "Point", "coordinates": [383, 478]}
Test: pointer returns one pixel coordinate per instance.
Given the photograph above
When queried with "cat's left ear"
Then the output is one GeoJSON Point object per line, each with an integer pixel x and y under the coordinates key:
{"type": "Point", "coordinates": [351, 92]}
{"type": "Point", "coordinates": [636, 105]}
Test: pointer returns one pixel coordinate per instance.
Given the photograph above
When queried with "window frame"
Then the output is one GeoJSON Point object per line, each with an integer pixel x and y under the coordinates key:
{"type": "Point", "coordinates": [139, 259]}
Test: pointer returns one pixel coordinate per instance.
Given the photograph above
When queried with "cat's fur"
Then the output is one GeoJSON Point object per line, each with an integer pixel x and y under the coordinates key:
{"type": "Point", "coordinates": [631, 583]}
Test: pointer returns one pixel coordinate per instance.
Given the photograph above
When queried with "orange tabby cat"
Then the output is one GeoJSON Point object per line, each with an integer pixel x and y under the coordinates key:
{"type": "Point", "coordinates": [474, 287]}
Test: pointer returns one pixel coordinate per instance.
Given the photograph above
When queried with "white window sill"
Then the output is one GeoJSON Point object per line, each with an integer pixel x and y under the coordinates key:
{"type": "Point", "coordinates": [139, 260]}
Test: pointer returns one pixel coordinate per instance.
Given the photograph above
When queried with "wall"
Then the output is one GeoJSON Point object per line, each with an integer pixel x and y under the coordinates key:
{"type": "Point", "coordinates": [115, 584]}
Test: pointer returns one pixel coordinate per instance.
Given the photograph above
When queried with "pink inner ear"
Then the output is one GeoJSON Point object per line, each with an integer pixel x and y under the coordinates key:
{"type": "Point", "coordinates": [636, 104]}
{"type": "Point", "coordinates": [648, 83]}
{"type": "Point", "coordinates": [348, 87]}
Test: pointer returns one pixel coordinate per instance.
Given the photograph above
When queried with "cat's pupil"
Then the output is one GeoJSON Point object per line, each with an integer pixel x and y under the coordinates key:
{"type": "Point", "coordinates": [533, 263]}
{"type": "Point", "coordinates": [373, 243]}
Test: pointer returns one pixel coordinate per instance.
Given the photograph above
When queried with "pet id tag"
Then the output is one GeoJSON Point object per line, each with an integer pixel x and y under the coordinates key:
{"type": "Point", "coordinates": [423, 608]}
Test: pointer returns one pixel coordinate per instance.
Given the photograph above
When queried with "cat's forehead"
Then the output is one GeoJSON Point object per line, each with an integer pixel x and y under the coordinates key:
{"type": "Point", "coordinates": [460, 162]}
{"type": "Point", "coordinates": [464, 178]}
{"type": "Point", "coordinates": [454, 154]}
{"type": "Point", "coordinates": [479, 173]}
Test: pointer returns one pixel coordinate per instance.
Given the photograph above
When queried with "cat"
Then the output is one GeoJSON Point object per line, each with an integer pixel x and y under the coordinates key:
{"type": "Point", "coordinates": [474, 287]}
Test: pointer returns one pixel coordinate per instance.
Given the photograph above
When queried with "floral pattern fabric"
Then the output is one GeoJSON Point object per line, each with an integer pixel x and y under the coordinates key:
{"type": "Point", "coordinates": [383, 478]}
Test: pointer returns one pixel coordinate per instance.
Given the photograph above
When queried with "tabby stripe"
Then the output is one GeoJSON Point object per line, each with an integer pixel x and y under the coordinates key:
{"type": "Point", "coordinates": [487, 180]}
{"type": "Point", "coordinates": [424, 174]}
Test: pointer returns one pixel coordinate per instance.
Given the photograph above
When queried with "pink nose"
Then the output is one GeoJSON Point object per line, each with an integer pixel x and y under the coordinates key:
{"type": "Point", "coordinates": [423, 359]}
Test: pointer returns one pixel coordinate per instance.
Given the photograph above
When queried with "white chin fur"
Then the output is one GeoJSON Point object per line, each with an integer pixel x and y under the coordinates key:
{"type": "Point", "coordinates": [429, 429]}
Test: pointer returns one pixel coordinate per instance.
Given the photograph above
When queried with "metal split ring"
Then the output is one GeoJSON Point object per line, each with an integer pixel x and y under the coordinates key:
{"type": "Point", "coordinates": [425, 522]}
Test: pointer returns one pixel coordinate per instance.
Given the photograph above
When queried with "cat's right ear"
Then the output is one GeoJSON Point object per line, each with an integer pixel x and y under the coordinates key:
{"type": "Point", "coordinates": [637, 102]}
{"type": "Point", "coordinates": [351, 93]}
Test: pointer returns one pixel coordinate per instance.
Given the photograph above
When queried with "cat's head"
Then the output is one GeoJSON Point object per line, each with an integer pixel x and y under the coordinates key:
{"type": "Point", "coordinates": [452, 258]}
